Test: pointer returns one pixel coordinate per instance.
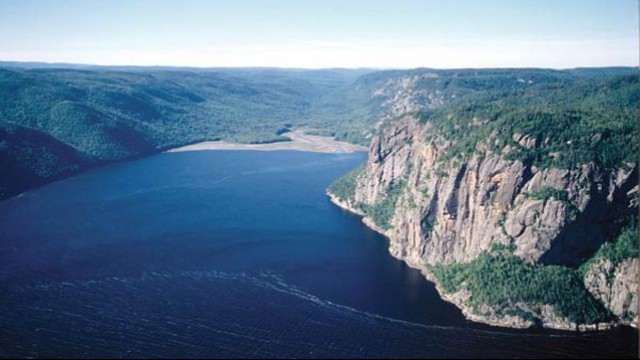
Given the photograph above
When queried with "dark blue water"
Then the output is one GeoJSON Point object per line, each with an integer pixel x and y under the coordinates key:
{"type": "Point", "coordinates": [228, 254]}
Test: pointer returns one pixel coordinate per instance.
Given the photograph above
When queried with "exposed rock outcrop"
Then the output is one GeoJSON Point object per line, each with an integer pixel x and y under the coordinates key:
{"type": "Point", "coordinates": [452, 210]}
{"type": "Point", "coordinates": [616, 286]}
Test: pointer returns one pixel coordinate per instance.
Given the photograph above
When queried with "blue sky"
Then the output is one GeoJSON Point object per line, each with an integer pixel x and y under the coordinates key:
{"type": "Point", "coordinates": [328, 33]}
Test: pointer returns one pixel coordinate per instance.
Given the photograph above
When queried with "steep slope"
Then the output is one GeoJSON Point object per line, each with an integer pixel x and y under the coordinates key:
{"type": "Point", "coordinates": [612, 275]}
{"type": "Point", "coordinates": [30, 158]}
{"type": "Point", "coordinates": [499, 184]}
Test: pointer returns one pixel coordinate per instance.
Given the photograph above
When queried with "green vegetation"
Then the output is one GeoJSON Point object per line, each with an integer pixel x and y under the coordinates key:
{"type": "Point", "coordinates": [497, 247]}
{"type": "Point", "coordinates": [29, 158]}
{"type": "Point", "coordinates": [382, 211]}
{"type": "Point", "coordinates": [547, 193]}
{"type": "Point", "coordinates": [54, 122]}
{"type": "Point", "coordinates": [167, 107]}
{"type": "Point", "coordinates": [344, 188]}
{"type": "Point", "coordinates": [569, 118]}
{"type": "Point", "coordinates": [624, 246]}
{"type": "Point", "coordinates": [505, 282]}
{"type": "Point", "coordinates": [84, 116]}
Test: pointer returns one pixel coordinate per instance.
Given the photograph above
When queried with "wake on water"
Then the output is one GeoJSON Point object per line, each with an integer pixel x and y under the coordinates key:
{"type": "Point", "coordinates": [266, 281]}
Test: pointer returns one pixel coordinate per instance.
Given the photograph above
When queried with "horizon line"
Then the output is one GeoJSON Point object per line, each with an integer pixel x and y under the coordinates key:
{"type": "Point", "coordinates": [53, 64]}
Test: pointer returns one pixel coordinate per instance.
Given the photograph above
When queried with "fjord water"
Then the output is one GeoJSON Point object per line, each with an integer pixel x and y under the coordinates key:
{"type": "Point", "coordinates": [228, 254]}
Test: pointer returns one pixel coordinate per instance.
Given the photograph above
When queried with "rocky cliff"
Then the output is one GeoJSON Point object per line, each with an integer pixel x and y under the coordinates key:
{"type": "Point", "coordinates": [454, 216]}
{"type": "Point", "coordinates": [616, 286]}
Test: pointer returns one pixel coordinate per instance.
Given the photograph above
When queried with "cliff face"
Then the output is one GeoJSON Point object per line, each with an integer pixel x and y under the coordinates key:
{"type": "Point", "coordinates": [616, 286]}
{"type": "Point", "coordinates": [450, 210]}
{"type": "Point", "coordinates": [453, 211]}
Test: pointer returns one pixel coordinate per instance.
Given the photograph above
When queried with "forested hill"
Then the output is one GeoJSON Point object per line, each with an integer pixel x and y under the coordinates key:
{"type": "Point", "coordinates": [54, 122]}
{"type": "Point", "coordinates": [57, 119]}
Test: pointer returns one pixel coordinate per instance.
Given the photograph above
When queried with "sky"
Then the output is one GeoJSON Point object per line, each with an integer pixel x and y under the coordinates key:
{"type": "Point", "coordinates": [322, 34]}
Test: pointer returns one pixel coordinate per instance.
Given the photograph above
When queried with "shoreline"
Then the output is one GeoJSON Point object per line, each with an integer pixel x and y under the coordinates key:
{"type": "Point", "coordinates": [299, 142]}
{"type": "Point", "coordinates": [365, 220]}
{"type": "Point", "coordinates": [458, 298]}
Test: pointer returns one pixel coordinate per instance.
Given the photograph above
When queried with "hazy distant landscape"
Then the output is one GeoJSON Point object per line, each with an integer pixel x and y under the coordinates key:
{"type": "Point", "coordinates": [84, 117]}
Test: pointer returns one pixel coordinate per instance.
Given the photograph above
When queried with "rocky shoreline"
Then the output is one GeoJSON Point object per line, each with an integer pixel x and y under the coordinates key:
{"type": "Point", "coordinates": [344, 206]}
{"type": "Point", "coordinates": [458, 298]}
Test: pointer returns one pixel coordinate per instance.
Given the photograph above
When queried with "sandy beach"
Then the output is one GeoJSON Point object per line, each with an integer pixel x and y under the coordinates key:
{"type": "Point", "coordinates": [299, 141]}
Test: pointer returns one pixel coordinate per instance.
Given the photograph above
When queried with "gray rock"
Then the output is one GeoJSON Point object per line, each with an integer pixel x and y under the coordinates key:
{"type": "Point", "coordinates": [616, 285]}
{"type": "Point", "coordinates": [452, 211]}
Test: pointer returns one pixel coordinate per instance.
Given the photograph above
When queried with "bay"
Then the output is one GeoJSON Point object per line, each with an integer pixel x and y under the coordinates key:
{"type": "Point", "coordinates": [229, 254]}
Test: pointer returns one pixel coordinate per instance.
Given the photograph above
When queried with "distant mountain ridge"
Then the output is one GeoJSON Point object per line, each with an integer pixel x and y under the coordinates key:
{"type": "Point", "coordinates": [80, 117]}
{"type": "Point", "coordinates": [57, 119]}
